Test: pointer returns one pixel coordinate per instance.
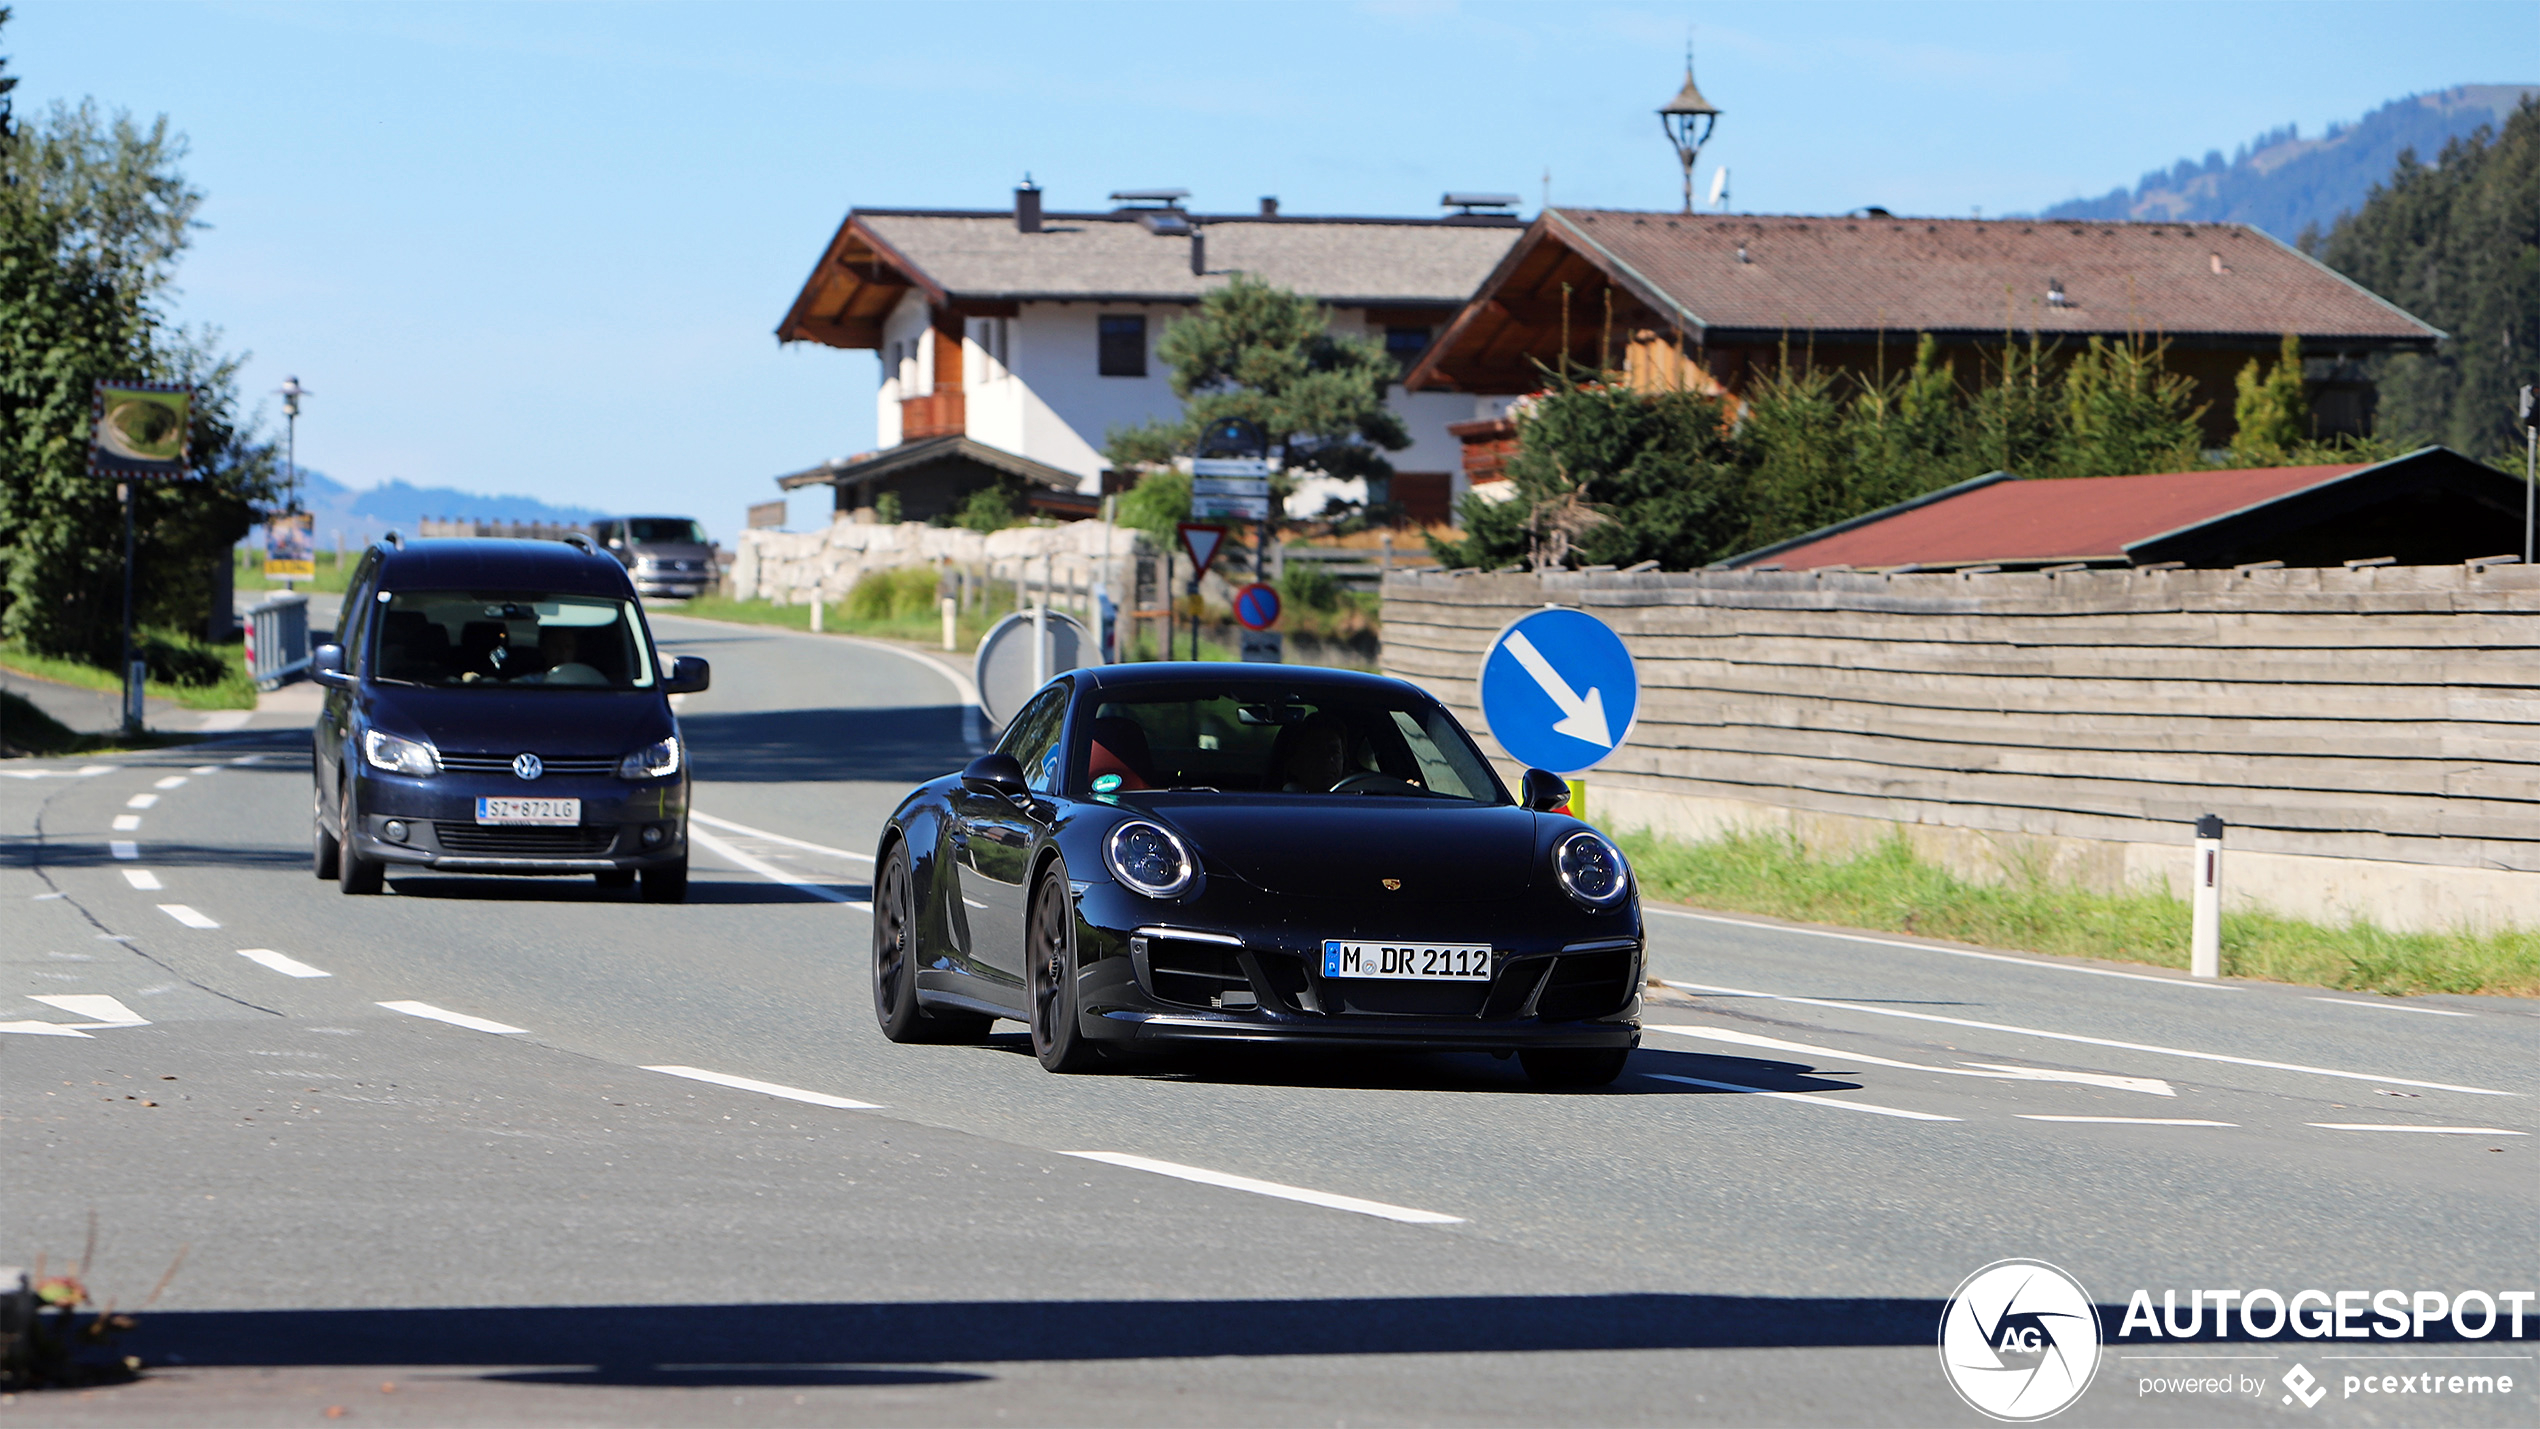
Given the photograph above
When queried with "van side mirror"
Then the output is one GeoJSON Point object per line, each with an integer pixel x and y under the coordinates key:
{"type": "Point", "coordinates": [1545, 792]}
{"type": "Point", "coordinates": [326, 666]}
{"type": "Point", "coordinates": [689, 674]}
{"type": "Point", "coordinates": [996, 774]}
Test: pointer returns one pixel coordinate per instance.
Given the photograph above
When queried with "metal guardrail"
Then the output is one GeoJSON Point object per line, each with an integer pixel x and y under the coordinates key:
{"type": "Point", "coordinates": [277, 639]}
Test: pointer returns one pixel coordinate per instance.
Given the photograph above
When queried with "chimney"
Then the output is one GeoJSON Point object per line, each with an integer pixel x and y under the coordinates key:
{"type": "Point", "coordinates": [1269, 205]}
{"type": "Point", "coordinates": [1199, 252]}
{"type": "Point", "coordinates": [1027, 207]}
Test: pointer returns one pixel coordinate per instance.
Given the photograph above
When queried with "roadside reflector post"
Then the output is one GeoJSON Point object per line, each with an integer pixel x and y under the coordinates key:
{"type": "Point", "coordinates": [950, 606]}
{"type": "Point", "coordinates": [2205, 915]}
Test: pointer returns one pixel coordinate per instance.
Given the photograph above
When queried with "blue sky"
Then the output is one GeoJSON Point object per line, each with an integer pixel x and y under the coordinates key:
{"type": "Point", "coordinates": [541, 248]}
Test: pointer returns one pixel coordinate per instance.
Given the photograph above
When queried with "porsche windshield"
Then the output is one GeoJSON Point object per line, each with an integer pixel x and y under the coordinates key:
{"type": "Point", "coordinates": [511, 640]}
{"type": "Point", "coordinates": [1337, 741]}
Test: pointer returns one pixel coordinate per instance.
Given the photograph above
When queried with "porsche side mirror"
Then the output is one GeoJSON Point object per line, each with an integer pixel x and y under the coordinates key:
{"type": "Point", "coordinates": [689, 674]}
{"type": "Point", "coordinates": [1545, 792]}
{"type": "Point", "coordinates": [326, 666]}
{"type": "Point", "coordinates": [996, 774]}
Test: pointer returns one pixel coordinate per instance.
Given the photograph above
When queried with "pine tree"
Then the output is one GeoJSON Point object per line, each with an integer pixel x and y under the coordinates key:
{"type": "Point", "coordinates": [2270, 415]}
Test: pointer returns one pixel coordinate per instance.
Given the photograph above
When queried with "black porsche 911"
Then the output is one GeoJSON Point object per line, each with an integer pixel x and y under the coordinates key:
{"type": "Point", "coordinates": [1188, 853]}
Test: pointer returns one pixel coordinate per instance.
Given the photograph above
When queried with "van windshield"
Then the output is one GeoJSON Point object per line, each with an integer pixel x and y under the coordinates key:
{"type": "Point", "coordinates": [513, 640]}
{"type": "Point", "coordinates": [664, 531]}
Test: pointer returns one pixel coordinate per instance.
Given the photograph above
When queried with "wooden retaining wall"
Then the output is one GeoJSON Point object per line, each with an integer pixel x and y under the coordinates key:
{"type": "Point", "coordinates": [2369, 735]}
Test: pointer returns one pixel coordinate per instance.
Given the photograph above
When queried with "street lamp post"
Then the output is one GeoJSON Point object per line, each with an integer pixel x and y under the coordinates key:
{"type": "Point", "coordinates": [1688, 119]}
{"type": "Point", "coordinates": [292, 392]}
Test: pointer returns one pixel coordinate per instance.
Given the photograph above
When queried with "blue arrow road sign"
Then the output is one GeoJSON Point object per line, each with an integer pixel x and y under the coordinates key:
{"type": "Point", "coordinates": [1559, 691]}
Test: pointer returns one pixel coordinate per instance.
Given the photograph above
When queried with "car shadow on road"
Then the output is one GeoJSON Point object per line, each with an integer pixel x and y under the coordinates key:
{"type": "Point", "coordinates": [870, 1343]}
{"type": "Point", "coordinates": [898, 745]}
{"type": "Point", "coordinates": [59, 853]}
{"type": "Point", "coordinates": [580, 888]}
{"type": "Point", "coordinates": [1350, 1070]}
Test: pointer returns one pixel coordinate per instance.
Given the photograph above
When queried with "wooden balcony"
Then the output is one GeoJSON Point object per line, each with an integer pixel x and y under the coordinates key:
{"type": "Point", "coordinates": [941, 413]}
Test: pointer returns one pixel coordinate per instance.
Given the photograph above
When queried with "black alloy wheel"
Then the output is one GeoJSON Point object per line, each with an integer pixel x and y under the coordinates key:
{"type": "Point", "coordinates": [353, 873]}
{"type": "Point", "coordinates": [1574, 1068]}
{"type": "Point", "coordinates": [667, 882]}
{"type": "Point", "coordinates": [895, 959]}
{"type": "Point", "coordinates": [1050, 948]}
{"type": "Point", "coordinates": [322, 845]}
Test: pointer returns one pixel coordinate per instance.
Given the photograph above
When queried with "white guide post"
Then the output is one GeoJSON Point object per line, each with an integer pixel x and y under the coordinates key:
{"type": "Point", "coordinates": [2205, 916]}
{"type": "Point", "coordinates": [950, 606]}
{"type": "Point", "coordinates": [819, 598]}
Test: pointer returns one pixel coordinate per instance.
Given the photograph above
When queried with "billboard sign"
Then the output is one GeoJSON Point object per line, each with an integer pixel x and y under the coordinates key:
{"type": "Point", "coordinates": [290, 546]}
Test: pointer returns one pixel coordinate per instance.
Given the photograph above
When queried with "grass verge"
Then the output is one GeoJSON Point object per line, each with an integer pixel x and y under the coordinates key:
{"type": "Point", "coordinates": [1889, 889]}
{"type": "Point", "coordinates": [235, 689]}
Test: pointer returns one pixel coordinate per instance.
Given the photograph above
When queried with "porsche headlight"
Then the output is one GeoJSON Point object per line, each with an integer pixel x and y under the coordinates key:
{"type": "Point", "coordinates": [399, 756]}
{"type": "Point", "coordinates": [654, 761]}
{"type": "Point", "coordinates": [1150, 859]}
{"type": "Point", "coordinates": [1592, 871]}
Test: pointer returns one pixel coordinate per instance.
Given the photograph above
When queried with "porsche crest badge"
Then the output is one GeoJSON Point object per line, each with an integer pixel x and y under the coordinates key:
{"type": "Point", "coordinates": [1393, 885]}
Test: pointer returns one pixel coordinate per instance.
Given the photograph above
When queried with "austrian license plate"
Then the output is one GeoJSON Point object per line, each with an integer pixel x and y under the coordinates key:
{"type": "Point", "coordinates": [566, 813]}
{"type": "Point", "coordinates": [1424, 962]}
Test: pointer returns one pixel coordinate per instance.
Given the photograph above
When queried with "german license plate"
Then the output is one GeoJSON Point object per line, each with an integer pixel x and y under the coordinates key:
{"type": "Point", "coordinates": [554, 812]}
{"type": "Point", "coordinates": [1421, 962]}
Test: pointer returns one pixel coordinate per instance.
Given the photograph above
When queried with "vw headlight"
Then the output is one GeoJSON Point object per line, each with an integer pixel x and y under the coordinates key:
{"type": "Point", "coordinates": [399, 756]}
{"type": "Point", "coordinates": [1150, 859]}
{"type": "Point", "coordinates": [653, 761]}
{"type": "Point", "coordinates": [1592, 871]}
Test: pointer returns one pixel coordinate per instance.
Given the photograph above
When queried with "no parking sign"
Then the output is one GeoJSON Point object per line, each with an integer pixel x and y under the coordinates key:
{"type": "Point", "coordinates": [1559, 690]}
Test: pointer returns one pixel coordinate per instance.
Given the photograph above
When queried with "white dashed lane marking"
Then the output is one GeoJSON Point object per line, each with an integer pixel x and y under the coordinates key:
{"type": "Point", "coordinates": [187, 916]}
{"type": "Point", "coordinates": [126, 823]}
{"type": "Point", "coordinates": [2128, 1120]}
{"type": "Point", "coordinates": [1405, 1214]}
{"type": "Point", "coordinates": [2088, 1041]}
{"type": "Point", "coordinates": [123, 849]}
{"type": "Point", "coordinates": [455, 1019]}
{"type": "Point", "coordinates": [1811, 1098]}
{"type": "Point", "coordinates": [1994, 1070]}
{"type": "Point", "coordinates": [99, 1009]}
{"type": "Point", "coordinates": [173, 781]}
{"type": "Point", "coordinates": [2391, 1006]}
{"type": "Point", "coordinates": [773, 1089]}
{"type": "Point", "coordinates": [2423, 1130]}
{"type": "Point", "coordinates": [142, 878]}
{"type": "Point", "coordinates": [141, 801]}
{"type": "Point", "coordinates": [287, 966]}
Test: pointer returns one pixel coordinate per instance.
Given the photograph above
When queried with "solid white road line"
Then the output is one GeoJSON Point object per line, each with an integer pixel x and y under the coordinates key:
{"type": "Point", "coordinates": [1811, 1098]}
{"type": "Point", "coordinates": [173, 781]}
{"type": "Point", "coordinates": [455, 1019]}
{"type": "Point", "coordinates": [2422, 1130]}
{"type": "Point", "coordinates": [1953, 952]}
{"type": "Point", "coordinates": [124, 849]}
{"type": "Point", "coordinates": [2091, 1041]}
{"type": "Point", "coordinates": [2391, 1006]}
{"type": "Point", "coordinates": [141, 801]}
{"type": "Point", "coordinates": [99, 1009]}
{"type": "Point", "coordinates": [2128, 1120]}
{"type": "Point", "coordinates": [796, 1094]}
{"type": "Point", "coordinates": [41, 1029]}
{"type": "Point", "coordinates": [126, 823]}
{"type": "Point", "coordinates": [142, 878]}
{"type": "Point", "coordinates": [287, 966]}
{"type": "Point", "coordinates": [771, 872]}
{"type": "Point", "coordinates": [2153, 1085]}
{"type": "Point", "coordinates": [746, 831]}
{"type": "Point", "coordinates": [187, 916]}
{"type": "Point", "coordinates": [1206, 1177]}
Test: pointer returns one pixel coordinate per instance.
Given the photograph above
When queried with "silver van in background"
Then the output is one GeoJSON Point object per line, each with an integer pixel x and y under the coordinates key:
{"type": "Point", "coordinates": [665, 555]}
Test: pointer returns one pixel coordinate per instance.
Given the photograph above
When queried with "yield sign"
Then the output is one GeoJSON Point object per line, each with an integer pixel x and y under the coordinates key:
{"type": "Point", "coordinates": [1202, 541]}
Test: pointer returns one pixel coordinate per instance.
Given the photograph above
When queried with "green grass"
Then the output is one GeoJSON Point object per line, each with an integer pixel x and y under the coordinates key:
{"type": "Point", "coordinates": [1887, 888]}
{"type": "Point", "coordinates": [233, 690]}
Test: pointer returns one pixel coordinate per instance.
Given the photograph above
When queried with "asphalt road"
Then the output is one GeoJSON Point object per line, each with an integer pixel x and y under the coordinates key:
{"type": "Point", "coordinates": [517, 1216]}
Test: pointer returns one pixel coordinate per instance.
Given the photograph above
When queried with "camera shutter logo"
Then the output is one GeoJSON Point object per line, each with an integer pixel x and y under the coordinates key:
{"type": "Point", "coordinates": [528, 766]}
{"type": "Point", "coordinates": [2019, 1340]}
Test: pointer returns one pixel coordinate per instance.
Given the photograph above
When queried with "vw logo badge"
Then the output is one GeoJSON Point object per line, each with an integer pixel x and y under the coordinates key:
{"type": "Point", "coordinates": [527, 766]}
{"type": "Point", "coordinates": [2020, 1340]}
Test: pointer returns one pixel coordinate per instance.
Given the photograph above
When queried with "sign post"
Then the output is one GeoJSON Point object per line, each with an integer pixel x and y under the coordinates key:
{"type": "Point", "coordinates": [139, 431]}
{"type": "Point", "coordinates": [1560, 692]}
{"type": "Point", "coordinates": [1201, 539]}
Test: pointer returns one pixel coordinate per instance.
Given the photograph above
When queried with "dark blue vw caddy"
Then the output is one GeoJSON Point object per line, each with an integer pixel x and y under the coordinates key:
{"type": "Point", "coordinates": [499, 706]}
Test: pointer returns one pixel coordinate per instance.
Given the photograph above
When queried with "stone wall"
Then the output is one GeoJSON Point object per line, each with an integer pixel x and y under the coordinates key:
{"type": "Point", "coordinates": [798, 567]}
{"type": "Point", "coordinates": [2369, 735]}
